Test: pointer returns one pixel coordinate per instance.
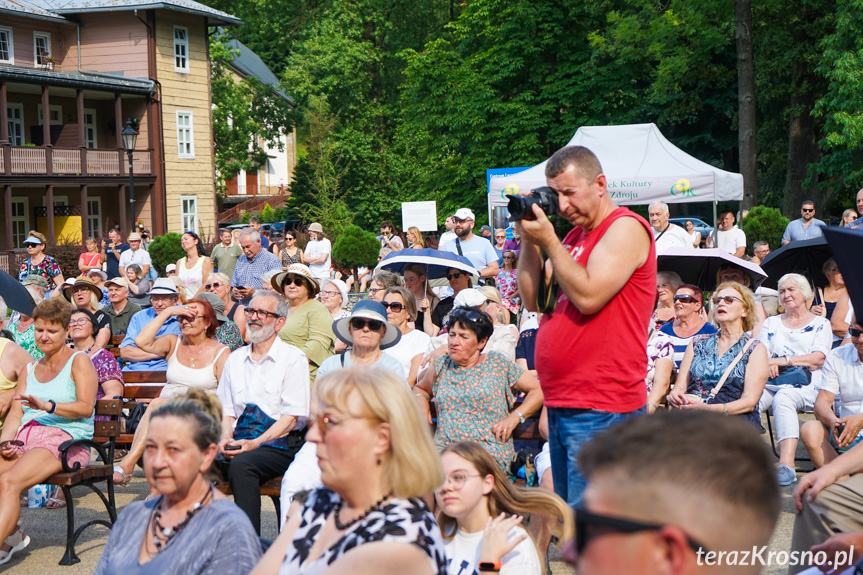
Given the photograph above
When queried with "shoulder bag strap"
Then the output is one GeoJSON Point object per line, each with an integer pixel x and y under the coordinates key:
{"type": "Point", "coordinates": [725, 375]}
{"type": "Point", "coordinates": [458, 247]}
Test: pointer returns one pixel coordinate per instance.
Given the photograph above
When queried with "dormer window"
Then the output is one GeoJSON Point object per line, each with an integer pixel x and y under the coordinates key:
{"type": "Point", "coordinates": [181, 49]}
{"type": "Point", "coordinates": [42, 48]}
{"type": "Point", "coordinates": [6, 55]}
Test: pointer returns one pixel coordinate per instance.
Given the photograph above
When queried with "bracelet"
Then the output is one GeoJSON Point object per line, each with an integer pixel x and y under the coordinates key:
{"type": "Point", "coordinates": [53, 406]}
{"type": "Point", "coordinates": [520, 416]}
{"type": "Point", "coordinates": [725, 406]}
{"type": "Point", "coordinates": [651, 404]}
{"type": "Point", "coordinates": [787, 361]}
{"type": "Point", "coordinates": [422, 395]}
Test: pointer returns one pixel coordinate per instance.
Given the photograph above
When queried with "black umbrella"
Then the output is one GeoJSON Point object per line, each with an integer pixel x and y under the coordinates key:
{"type": "Point", "coordinates": [14, 294]}
{"type": "Point", "coordinates": [804, 257]}
{"type": "Point", "coordinates": [701, 267]}
{"type": "Point", "coordinates": [848, 245]}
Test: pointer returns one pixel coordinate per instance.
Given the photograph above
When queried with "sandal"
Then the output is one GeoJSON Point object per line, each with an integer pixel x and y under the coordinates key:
{"type": "Point", "coordinates": [120, 454]}
{"type": "Point", "coordinates": [57, 500]}
{"type": "Point", "coordinates": [16, 542]}
{"type": "Point", "coordinates": [126, 477]}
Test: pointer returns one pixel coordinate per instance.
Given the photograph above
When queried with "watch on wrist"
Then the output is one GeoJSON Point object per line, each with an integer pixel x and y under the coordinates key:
{"type": "Point", "coordinates": [489, 566]}
{"type": "Point", "coordinates": [520, 416]}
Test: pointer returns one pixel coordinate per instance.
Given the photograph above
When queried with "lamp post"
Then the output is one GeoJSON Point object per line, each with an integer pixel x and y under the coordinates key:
{"type": "Point", "coordinates": [130, 136]}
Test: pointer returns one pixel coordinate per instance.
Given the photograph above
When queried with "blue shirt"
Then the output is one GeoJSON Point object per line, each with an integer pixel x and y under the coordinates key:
{"type": "Point", "coordinates": [478, 250]}
{"type": "Point", "coordinates": [388, 362]}
{"type": "Point", "coordinates": [856, 225]}
{"type": "Point", "coordinates": [136, 324]}
{"type": "Point", "coordinates": [796, 231]}
{"type": "Point", "coordinates": [247, 273]}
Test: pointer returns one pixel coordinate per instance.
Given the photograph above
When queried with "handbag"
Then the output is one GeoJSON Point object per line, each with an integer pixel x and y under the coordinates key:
{"type": "Point", "coordinates": [134, 417]}
{"type": "Point", "coordinates": [253, 423]}
{"type": "Point", "coordinates": [796, 376]}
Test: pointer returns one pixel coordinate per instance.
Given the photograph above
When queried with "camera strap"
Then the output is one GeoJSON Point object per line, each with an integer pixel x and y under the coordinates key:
{"type": "Point", "coordinates": [547, 291]}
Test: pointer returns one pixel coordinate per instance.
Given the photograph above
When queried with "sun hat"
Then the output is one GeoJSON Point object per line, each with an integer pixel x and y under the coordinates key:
{"type": "Point", "coordinates": [170, 268]}
{"type": "Point", "coordinates": [98, 272]}
{"type": "Point", "coordinates": [81, 282]}
{"type": "Point", "coordinates": [296, 270]}
{"type": "Point", "coordinates": [33, 240]}
{"type": "Point", "coordinates": [134, 237]}
{"type": "Point", "coordinates": [316, 227]}
{"type": "Point", "coordinates": [469, 298]}
{"type": "Point", "coordinates": [368, 309]}
{"type": "Point", "coordinates": [120, 282]}
{"type": "Point", "coordinates": [464, 214]}
{"type": "Point", "coordinates": [217, 303]}
{"type": "Point", "coordinates": [163, 286]}
{"type": "Point", "coordinates": [341, 286]}
{"type": "Point", "coordinates": [35, 280]}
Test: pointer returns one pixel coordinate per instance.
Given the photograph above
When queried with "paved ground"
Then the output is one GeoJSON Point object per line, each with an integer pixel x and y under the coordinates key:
{"type": "Point", "coordinates": [47, 529]}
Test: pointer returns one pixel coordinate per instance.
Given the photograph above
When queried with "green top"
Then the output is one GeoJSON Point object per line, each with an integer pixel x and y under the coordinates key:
{"type": "Point", "coordinates": [61, 389]}
{"type": "Point", "coordinates": [225, 259]}
{"type": "Point", "coordinates": [310, 328]}
{"type": "Point", "coordinates": [120, 321]}
{"type": "Point", "coordinates": [27, 339]}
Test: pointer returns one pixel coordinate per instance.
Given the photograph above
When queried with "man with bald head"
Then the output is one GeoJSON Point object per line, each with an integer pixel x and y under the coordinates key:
{"type": "Point", "coordinates": [858, 223]}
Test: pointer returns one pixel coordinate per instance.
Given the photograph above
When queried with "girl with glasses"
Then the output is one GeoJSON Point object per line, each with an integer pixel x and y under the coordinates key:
{"type": "Point", "coordinates": [480, 514]}
{"type": "Point", "coordinates": [290, 252]}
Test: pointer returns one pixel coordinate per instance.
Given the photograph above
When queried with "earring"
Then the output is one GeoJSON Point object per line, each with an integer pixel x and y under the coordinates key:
{"type": "Point", "coordinates": [379, 460]}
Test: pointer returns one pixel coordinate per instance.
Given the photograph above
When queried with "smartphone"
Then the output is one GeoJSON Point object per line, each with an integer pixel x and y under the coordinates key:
{"type": "Point", "coordinates": [233, 447]}
{"type": "Point", "coordinates": [839, 429]}
{"type": "Point", "coordinates": [239, 287]}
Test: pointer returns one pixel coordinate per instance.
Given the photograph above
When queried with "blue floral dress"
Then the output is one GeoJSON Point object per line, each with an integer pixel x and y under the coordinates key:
{"type": "Point", "coordinates": [707, 369]}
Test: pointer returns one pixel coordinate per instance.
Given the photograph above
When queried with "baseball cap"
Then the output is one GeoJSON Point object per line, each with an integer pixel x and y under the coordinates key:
{"type": "Point", "coordinates": [464, 214]}
{"type": "Point", "coordinates": [170, 268]}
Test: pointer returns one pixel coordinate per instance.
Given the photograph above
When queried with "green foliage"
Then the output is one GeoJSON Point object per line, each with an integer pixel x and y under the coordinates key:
{"type": "Point", "coordinates": [355, 248]}
{"type": "Point", "coordinates": [66, 250]}
{"type": "Point", "coordinates": [244, 219]}
{"type": "Point", "coordinates": [764, 224]}
{"type": "Point", "coordinates": [165, 250]}
{"type": "Point", "coordinates": [268, 215]}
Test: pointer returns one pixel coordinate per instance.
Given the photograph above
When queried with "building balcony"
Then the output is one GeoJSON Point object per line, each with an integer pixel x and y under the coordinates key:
{"type": "Point", "coordinates": [54, 161]}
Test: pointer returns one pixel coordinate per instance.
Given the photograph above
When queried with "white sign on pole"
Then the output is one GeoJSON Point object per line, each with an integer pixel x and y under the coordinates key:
{"type": "Point", "coordinates": [423, 215]}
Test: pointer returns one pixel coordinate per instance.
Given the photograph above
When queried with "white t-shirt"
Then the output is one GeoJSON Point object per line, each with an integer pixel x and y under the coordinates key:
{"type": "Point", "coordinates": [315, 248]}
{"type": "Point", "coordinates": [140, 257]}
{"type": "Point", "coordinates": [445, 238]}
{"type": "Point", "coordinates": [462, 555]}
{"type": "Point", "coordinates": [478, 250]}
{"type": "Point", "coordinates": [673, 237]}
{"type": "Point", "coordinates": [409, 346]}
{"type": "Point", "coordinates": [731, 240]}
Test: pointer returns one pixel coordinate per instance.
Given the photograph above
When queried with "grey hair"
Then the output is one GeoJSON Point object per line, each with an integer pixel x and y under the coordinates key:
{"type": "Point", "coordinates": [672, 277]}
{"type": "Point", "coordinates": [249, 232]}
{"type": "Point", "coordinates": [659, 203]}
{"type": "Point", "coordinates": [799, 281]}
{"type": "Point", "coordinates": [281, 308]}
{"type": "Point", "coordinates": [387, 279]}
{"type": "Point", "coordinates": [35, 294]}
{"type": "Point", "coordinates": [758, 244]}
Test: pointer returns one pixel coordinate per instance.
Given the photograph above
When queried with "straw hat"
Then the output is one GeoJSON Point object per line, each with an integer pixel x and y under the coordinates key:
{"type": "Point", "coordinates": [81, 282]}
{"type": "Point", "coordinates": [316, 227]}
{"type": "Point", "coordinates": [296, 270]}
{"type": "Point", "coordinates": [163, 286]}
{"type": "Point", "coordinates": [369, 309]}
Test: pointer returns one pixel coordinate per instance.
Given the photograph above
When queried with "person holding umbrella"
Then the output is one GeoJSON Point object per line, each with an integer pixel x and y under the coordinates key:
{"type": "Point", "coordinates": [417, 283]}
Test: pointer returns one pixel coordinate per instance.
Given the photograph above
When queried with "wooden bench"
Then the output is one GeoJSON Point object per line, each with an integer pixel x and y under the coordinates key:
{"type": "Point", "coordinates": [92, 475]}
{"type": "Point", "coordinates": [114, 346]}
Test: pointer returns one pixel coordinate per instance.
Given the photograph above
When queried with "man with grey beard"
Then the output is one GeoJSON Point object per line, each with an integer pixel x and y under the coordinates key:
{"type": "Point", "coordinates": [265, 395]}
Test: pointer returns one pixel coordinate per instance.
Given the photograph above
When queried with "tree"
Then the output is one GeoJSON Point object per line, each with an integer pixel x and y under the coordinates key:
{"type": "Point", "coordinates": [165, 250]}
{"type": "Point", "coordinates": [355, 248]}
{"type": "Point", "coordinates": [764, 224]}
{"type": "Point", "coordinates": [268, 215]}
{"type": "Point", "coordinates": [747, 126]}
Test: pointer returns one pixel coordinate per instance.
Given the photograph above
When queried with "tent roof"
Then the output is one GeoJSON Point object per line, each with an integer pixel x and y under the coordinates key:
{"type": "Point", "coordinates": [641, 166]}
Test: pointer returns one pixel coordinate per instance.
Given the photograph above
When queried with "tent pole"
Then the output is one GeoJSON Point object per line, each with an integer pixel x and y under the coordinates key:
{"type": "Point", "coordinates": [715, 221]}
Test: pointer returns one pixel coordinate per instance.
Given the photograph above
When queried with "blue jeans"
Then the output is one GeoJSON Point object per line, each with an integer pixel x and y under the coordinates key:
{"type": "Point", "coordinates": [569, 429]}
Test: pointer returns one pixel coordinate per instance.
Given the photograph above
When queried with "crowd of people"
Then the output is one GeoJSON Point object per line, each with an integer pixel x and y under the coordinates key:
{"type": "Point", "coordinates": [392, 419]}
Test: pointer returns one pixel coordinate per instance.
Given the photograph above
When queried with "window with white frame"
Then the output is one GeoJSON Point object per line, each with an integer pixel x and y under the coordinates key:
{"type": "Point", "coordinates": [20, 223]}
{"type": "Point", "coordinates": [16, 123]}
{"type": "Point", "coordinates": [41, 48]}
{"type": "Point", "coordinates": [189, 213]}
{"type": "Point", "coordinates": [94, 216]}
{"type": "Point", "coordinates": [55, 114]}
{"type": "Point", "coordinates": [181, 49]}
{"type": "Point", "coordinates": [7, 52]}
{"type": "Point", "coordinates": [90, 128]}
{"type": "Point", "coordinates": [185, 135]}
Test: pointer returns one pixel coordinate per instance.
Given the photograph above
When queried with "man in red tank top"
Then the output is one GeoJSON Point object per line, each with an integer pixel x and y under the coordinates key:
{"type": "Point", "coordinates": [591, 352]}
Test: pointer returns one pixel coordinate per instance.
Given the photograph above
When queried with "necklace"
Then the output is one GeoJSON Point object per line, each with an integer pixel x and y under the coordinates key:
{"type": "Point", "coordinates": [166, 533]}
{"type": "Point", "coordinates": [200, 349]}
{"type": "Point", "coordinates": [342, 526]}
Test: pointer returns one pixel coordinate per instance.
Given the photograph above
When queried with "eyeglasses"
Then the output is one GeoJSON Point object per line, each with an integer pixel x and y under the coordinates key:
{"type": "Point", "coordinates": [684, 298]}
{"type": "Point", "coordinates": [729, 299]}
{"type": "Point", "coordinates": [325, 293]}
{"type": "Point", "coordinates": [500, 237]}
{"type": "Point", "coordinates": [470, 315]}
{"type": "Point", "coordinates": [456, 480]}
{"type": "Point", "coordinates": [81, 321]}
{"type": "Point", "coordinates": [359, 323]}
{"type": "Point", "coordinates": [296, 280]}
{"type": "Point", "coordinates": [456, 275]}
{"type": "Point", "coordinates": [326, 421]}
{"type": "Point", "coordinates": [587, 522]}
{"type": "Point", "coordinates": [808, 209]}
{"type": "Point", "coordinates": [261, 313]}
{"type": "Point", "coordinates": [854, 332]}
{"type": "Point", "coordinates": [508, 257]}
{"type": "Point", "coordinates": [395, 306]}
{"type": "Point", "coordinates": [213, 285]}
{"type": "Point", "coordinates": [373, 291]}
{"type": "Point", "coordinates": [489, 301]}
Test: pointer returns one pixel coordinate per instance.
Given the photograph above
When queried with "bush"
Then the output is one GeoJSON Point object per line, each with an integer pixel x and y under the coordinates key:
{"type": "Point", "coordinates": [268, 215]}
{"type": "Point", "coordinates": [355, 248]}
{"type": "Point", "coordinates": [66, 250]}
{"type": "Point", "coordinates": [165, 250]}
{"type": "Point", "coordinates": [764, 224]}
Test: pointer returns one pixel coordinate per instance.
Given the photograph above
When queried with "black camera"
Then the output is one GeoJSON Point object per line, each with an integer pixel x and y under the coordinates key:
{"type": "Point", "coordinates": [520, 206]}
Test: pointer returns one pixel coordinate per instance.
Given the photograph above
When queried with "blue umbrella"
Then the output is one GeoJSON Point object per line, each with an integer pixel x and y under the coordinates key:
{"type": "Point", "coordinates": [435, 262]}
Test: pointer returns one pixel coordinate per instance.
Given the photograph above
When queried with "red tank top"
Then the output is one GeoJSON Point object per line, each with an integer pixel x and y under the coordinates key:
{"type": "Point", "coordinates": [599, 361]}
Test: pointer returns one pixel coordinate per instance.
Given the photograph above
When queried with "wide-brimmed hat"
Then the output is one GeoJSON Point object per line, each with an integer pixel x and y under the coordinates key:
{"type": "Point", "coordinates": [81, 282]}
{"type": "Point", "coordinates": [121, 282]}
{"type": "Point", "coordinates": [98, 272]}
{"type": "Point", "coordinates": [296, 270]}
{"type": "Point", "coordinates": [369, 309]}
{"type": "Point", "coordinates": [341, 286]}
{"type": "Point", "coordinates": [163, 286]}
{"type": "Point", "coordinates": [134, 237]}
{"type": "Point", "coordinates": [316, 227]}
{"type": "Point", "coordinates": [217, 303]}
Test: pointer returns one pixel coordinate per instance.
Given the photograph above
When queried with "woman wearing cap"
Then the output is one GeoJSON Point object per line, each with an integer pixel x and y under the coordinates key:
{"type": "Point", "coordinates": [38, 263]}
{"type": "Point", "coordinates": [220, 284]}
{"type": "Point", "coordinates": [84, 294]}
{"type": "Point", "coordinates": [309, 325]}
{"type": "Point", "coordinates": [317, 252]}
{"type": "Point", "coordinates": [402, 312]}
{"type": "Point", "coordinates": [195, 360]}
{"type": "Point", "coordinates": [228, 332]}
{"type": "Point", "coordinates": [90, 260]}
{"type": "Point", "coordinates": [475, 393]}
{"type": "Point", "coordinates": [99, 278]}
{"type": "Point", "coordinates": [138, 285]}
{"type": "Point", "coordinates": [195, 266]}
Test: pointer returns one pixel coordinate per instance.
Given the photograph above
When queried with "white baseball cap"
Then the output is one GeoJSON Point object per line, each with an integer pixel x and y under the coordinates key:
{"type": "Point", "coordinates": [170, 268]}
{"type": "Point", "coordinates": [464, 214]}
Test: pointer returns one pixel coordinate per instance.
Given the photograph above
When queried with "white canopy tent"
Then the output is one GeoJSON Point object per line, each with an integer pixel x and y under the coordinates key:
{"type": "Point", "coordinates": [641, 166]}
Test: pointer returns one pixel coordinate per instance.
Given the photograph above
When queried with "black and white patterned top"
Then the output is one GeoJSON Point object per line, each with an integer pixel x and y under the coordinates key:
{"type": "Point", "coordinates": [398, 521]}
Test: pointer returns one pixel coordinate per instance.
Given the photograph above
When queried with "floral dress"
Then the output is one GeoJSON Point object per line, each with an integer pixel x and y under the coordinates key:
{"type": "Point", "coordinates": [707, 369]}
{"type": "Point", "coordinates": [27, 339]}
{"type": "Point", "coordinates": [507, 283]}
{"type": "Point", "coordinates": [229, 334]}
{"type": "Point", "coordinates": [397, 521]}
{"type": "Point", "coordinates": [659, 346]}
{"type": "Point", "coordinates": [471, 399]}
{"type": "Point", "coordinates": [48, 268]}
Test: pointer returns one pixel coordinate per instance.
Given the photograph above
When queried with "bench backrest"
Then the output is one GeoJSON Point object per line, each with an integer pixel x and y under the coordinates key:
{"type": "Point", "coordinates": [138, 377]}
{"type": "Point", "coordinates": [110, 428]}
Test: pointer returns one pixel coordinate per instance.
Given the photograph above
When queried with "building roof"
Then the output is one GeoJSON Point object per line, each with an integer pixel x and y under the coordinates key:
{"type": "Point", "coordinates": [248, 63]}
{"type": "Point", "coordinates": [28, 9]}
{"type": "Point", "coordinates": [70, 7]}
{"type": "Point", "coordinates": [89, 80]}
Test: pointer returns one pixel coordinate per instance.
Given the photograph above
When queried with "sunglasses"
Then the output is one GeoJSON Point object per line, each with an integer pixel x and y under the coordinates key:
{"type": "Point", "coordinates": [508, 258]}
{"type": "Point", "coordinates": [455, 275]}
{"type": "Point", "coordinates": [289, 239]}
{"type": "Point", "coordinates": [685, 298]}
{"type": "Point", "coordinates": [729, 299]}
{"type": "Point", "coordinates": [470, 315]}
{"type": "Point", "coordinates": [589, 525]}
{"type": "Point", "coordinates": [808, 209]}
{"type": "Point", "coordinates": [854, 332]}
{"type": "Point", "coordinates": [261, 313]}
{"type": "Point", "coordinates": [395, 306]}
{"type": "Point", "coordinates": [216, 285]}
{"type": "Point", "coordinates": [359, 323]}
{"type": "Point", "coordinates": [297, 281]}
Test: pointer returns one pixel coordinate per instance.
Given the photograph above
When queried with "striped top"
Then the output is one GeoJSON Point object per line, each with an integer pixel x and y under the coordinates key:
{"type": "Point", "coordinates": [680, 343]}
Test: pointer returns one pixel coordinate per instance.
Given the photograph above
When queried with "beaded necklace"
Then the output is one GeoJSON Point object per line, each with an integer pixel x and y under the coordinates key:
{"type": "Point", "coordinates": [169, 533]}
{"type": "Point", "coordinates": [342, 526]}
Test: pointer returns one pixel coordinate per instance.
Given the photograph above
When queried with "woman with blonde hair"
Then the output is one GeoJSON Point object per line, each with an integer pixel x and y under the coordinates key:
{"type": "Point", "coordinates": [480, 512]}
{"type": "Point", "coordinates": [377, 461]}
{"type": "Point", "coordinates": [848, 216]}
{"type": "Point", "coordinates": [90, 260]}
{"type": "Point", "coordinates": [417, 284]}
{"type": "Point", "coordinates": [415, 238]}
{"type": "Point", "coordinates": [220, 284]}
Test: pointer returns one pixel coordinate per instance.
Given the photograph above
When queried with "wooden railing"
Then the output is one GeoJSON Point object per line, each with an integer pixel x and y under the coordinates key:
{"type": "Point", "coordinates": [250, 205]}
{"type": "Point", "coordinates": [26, 160]}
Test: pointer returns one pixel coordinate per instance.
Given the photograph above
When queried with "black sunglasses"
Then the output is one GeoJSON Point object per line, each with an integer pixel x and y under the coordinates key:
{"type": "Point", "coordinates": [808, 209]}
{"type": "Point", "coordinates": [395, 306]}
{"type": "Point", "coordinates": [684, 298]}
{"type": "Point", "coordinates": [470, 315]}
{"type": "Point", "coordinates": [358, 323]}
{"type": "Point", "coordinates": [456, 275]}
{"type": "Point", "coordinates": [584, 520]}
{"type": "Point", "coordinates": [855, 332]}
{"type": "Point", "coordinates": [297, 281]}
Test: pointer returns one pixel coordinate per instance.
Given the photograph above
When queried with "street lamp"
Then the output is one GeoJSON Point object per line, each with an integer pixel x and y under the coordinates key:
{"type": "Point", "coordinates": [130, 136]}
